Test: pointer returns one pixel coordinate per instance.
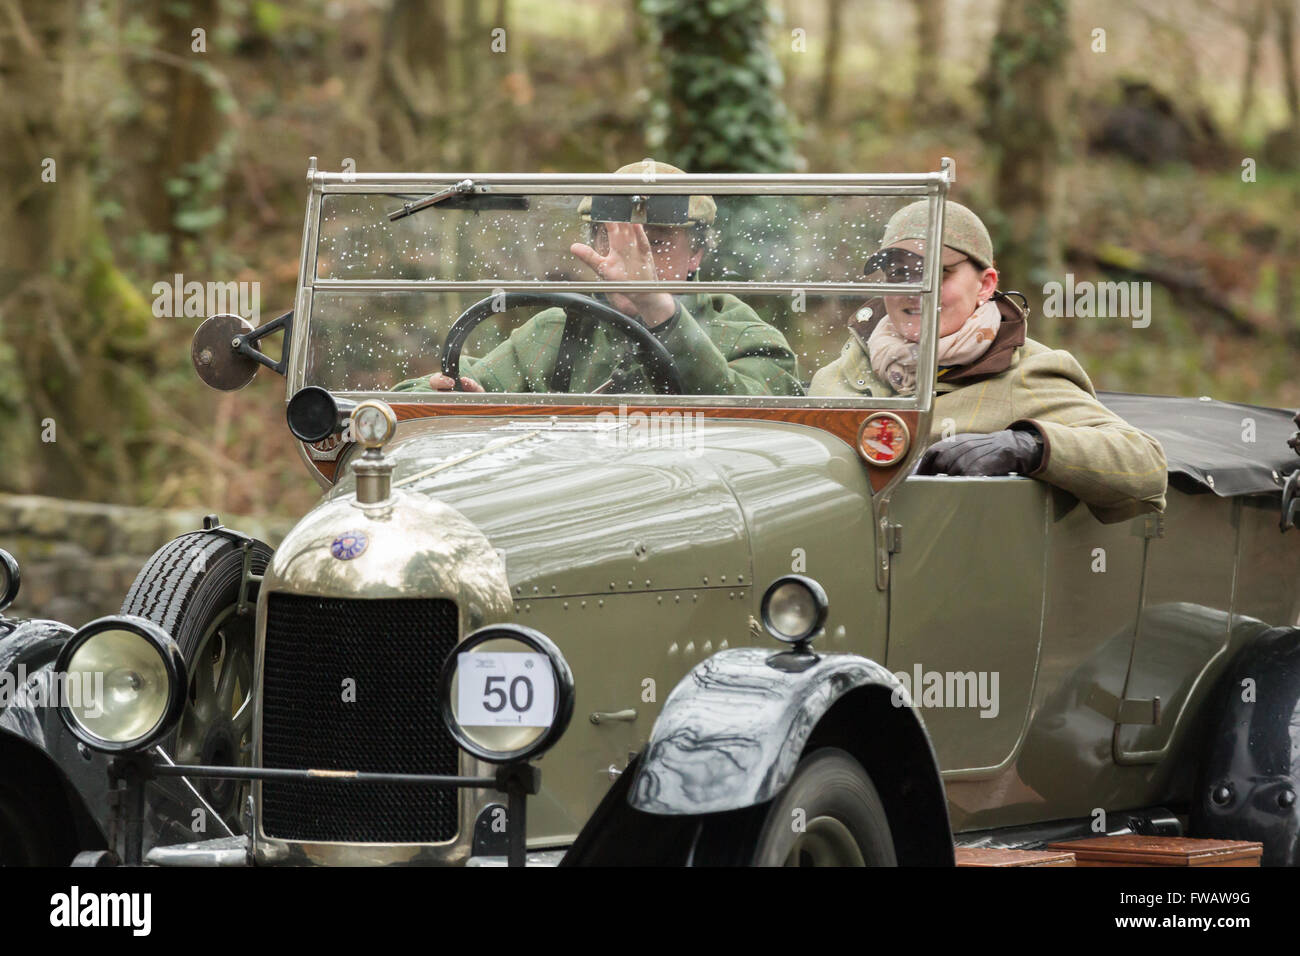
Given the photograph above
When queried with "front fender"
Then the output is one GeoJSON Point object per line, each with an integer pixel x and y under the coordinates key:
{"type": "Point", "coordinates": [29, 720]}
{"type": "Point", "coordinates": [33, 736]}
{"type": "Point", "coordinates": [27, 655]}
{"type": "Point", "coordinates": [731, 733]}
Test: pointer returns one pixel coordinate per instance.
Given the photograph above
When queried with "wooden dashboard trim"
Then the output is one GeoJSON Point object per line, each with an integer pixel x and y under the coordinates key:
{"type": "Point", "coordinates": [843, 423]}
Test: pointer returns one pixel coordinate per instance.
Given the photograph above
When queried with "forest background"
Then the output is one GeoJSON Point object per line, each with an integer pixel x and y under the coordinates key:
{"type": "Point", "coordinates": [1155, 142]}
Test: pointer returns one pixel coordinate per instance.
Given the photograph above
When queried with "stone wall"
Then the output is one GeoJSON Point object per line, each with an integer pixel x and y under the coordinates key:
{"type": "Point", "coordinates": [79, 558]}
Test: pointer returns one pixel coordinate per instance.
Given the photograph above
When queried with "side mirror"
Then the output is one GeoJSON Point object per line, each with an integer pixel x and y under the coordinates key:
{"type": "Point", "coordinates": [225, 350]}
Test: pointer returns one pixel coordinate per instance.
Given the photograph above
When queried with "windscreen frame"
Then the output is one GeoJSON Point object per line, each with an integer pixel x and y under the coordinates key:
{"type": "Point", "coordinates": [932, 186]}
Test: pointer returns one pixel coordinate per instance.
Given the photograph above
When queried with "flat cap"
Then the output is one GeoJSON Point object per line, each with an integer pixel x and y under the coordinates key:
{"type": "Point", "coordinates": [659, 209]}
{"type": "Point", "coordinates": [962, 230]}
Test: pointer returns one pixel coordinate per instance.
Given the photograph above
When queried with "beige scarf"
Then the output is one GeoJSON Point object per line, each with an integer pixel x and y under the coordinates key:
{"type": "Point", "coordinates": [893, 358]}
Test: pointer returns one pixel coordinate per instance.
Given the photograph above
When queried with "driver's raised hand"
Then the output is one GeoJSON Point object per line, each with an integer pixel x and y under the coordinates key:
{"type": "Point", "coordinates": [629, 259]}
{"type": "Point", "coordinates": [443, 383]}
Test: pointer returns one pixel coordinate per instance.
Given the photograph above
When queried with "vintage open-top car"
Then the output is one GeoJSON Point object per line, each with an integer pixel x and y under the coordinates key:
{"type": "Point", "coordinates": [776, 643]}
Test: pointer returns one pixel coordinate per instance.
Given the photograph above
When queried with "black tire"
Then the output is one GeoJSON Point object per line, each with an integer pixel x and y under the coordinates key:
{"type": "Point", "coordinates": [187, 587]}
{"type": "Point", "coordinates": [30, 833]}
{"type": "Point", "coordinates": [36, 823]}
{"type": "Point", "coordinates": [829, 815]}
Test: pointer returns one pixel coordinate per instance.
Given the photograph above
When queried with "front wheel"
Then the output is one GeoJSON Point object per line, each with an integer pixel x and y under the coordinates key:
{"type": "Point", "coordinates": [31, 833]}
{"type": "Point", "coordinates": [829, 815]}
{"type": "Point", "coordinates": [192, 587]}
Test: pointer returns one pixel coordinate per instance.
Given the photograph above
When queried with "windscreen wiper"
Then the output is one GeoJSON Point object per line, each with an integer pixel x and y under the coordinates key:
{"type": "Point", "coordinates": [465, 194]}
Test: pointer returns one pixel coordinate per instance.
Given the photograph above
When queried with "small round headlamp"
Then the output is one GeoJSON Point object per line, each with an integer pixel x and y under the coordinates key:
{"type": "Point", "coordinates": [121, 683]}
{"type": "Point", "coordinates": [794, 608]}
{"type": "Point", "coordinates": [507, 693]}
{"type": "Point", "coordinates": [373, 423]}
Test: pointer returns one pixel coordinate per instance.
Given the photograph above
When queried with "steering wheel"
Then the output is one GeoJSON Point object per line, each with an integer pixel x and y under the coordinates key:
{"type": "Point", "coordinates": [662, 371]}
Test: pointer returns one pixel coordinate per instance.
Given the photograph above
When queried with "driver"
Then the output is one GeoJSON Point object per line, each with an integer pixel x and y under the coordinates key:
{"type": "Point", "coordinates": [719, 344]}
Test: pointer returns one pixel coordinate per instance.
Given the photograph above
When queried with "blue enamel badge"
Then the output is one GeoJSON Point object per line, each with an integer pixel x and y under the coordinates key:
{"type": "Point", "coordinates": [348, 546]}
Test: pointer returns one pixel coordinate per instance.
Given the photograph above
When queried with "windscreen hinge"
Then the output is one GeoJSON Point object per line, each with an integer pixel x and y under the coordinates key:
{"type": "Point", "coordinates": [893, 537]}
{"type": "Point", "coordinates": [889, 541]}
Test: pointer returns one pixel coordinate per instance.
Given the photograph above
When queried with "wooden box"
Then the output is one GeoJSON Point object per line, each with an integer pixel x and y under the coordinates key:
{"type": "Point", "coordinates": [1132, 850]}
{"type": "Point", "coordinates": [995, 856]}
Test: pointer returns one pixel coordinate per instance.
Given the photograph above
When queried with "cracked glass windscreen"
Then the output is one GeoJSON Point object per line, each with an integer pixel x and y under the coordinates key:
{"type": "Point", "coordinates": [742, 342]}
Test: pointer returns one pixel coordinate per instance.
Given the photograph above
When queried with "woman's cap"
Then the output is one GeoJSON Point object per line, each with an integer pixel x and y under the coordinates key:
{"type": "Point", "coordinates": [962, 230]}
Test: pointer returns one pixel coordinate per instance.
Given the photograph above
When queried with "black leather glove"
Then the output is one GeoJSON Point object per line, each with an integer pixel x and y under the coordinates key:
{"type": "Point", "coordinates": [1000, 453]}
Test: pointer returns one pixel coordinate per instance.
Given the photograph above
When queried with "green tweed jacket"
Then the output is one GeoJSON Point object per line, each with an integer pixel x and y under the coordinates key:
{"type": "Point", "coordinates": [719, 344]}
{"type": "Point", "coordinates": [1117, 470]}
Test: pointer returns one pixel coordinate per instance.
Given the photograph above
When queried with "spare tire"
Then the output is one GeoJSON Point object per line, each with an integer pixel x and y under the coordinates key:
{"type": "Point", "coordinates": [192, 588]}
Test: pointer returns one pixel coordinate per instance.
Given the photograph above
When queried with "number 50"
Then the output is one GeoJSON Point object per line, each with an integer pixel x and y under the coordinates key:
{"type": "Point", "coordinates": [495, 699]}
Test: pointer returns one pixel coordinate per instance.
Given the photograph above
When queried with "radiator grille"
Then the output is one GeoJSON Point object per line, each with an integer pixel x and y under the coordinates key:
{"type": "Point", "coordinates": [393, 650]}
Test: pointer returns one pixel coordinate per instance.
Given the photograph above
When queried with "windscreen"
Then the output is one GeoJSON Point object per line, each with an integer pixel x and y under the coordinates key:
{"type": "Point", "coordinates": [390, 300]}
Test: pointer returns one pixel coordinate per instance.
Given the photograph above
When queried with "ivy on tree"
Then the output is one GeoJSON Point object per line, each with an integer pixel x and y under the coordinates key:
{"type": "Point", "coordinates": [718, 108]}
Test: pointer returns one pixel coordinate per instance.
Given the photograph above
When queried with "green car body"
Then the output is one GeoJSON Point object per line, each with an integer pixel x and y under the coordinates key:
{"type": "Point", "coordinates": [643, 564]}
{"type": "Point", "coordinates": [1002, 666]}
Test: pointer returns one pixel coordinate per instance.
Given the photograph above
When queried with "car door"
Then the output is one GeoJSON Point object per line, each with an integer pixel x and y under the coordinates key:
{"type": "Point", "coordinates": [1184, 624]}
{"type": "Point", "coordinates": [965, 610]}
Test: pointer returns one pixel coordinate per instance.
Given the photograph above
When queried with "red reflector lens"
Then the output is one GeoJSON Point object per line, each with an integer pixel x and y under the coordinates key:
{"type": "Point", "coordinates": [883, 439]}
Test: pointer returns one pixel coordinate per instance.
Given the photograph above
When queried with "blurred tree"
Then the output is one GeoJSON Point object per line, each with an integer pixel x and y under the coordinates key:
{"type": "Point", "coordinates": [1023, 88]}
{"type": "Point", "coordinates": [1285, 10]}
{"type": "Point", "coordinates": [639, 49]}
{"type": "Point", "coordinates": [929, 51]}
{"type": "Point", "coordinates": [826, 92]}
{"type": "Point", "coordinates": [1253, 23]}
{"type": "Point", "coordinates": [720, 109]}
{"type": "Point", "coordinates": [400, 99]}
{"type": "Point", "coordinates": [790, 18]}
{"type": "Point", "coordinates": [514, 88]}
{"type": "Point", "coordinates": [473, 47]}
{"type": "Point", "coordinates": [175, 174]}
{"type": "Point", "coordinates": [1286, 149]}
{"type": "Point", "coordinates": [1282, 146]}
{"type": "Point", "coordinates": [78, 334]}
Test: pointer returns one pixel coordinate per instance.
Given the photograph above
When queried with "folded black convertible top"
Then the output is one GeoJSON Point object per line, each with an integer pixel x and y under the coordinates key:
{"type": "Point", "coordinates": [1207, 442]}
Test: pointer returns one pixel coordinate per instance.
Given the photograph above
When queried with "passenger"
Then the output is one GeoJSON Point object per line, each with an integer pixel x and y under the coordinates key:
{"type": "Point", "coordinates": [718, 343]}
{"type": "Point", "coordinates": [1016, 405]}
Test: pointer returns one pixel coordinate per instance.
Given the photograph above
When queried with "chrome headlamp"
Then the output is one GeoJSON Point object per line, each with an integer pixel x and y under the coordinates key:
{"type": "Point", "coordinates": [122, 683]}
{"type": "Point", "coordinates": [794, 609]}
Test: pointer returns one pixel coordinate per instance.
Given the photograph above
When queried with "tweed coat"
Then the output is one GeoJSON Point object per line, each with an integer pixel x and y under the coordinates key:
{"type": "Point", "coordinates": [1117, 470]}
